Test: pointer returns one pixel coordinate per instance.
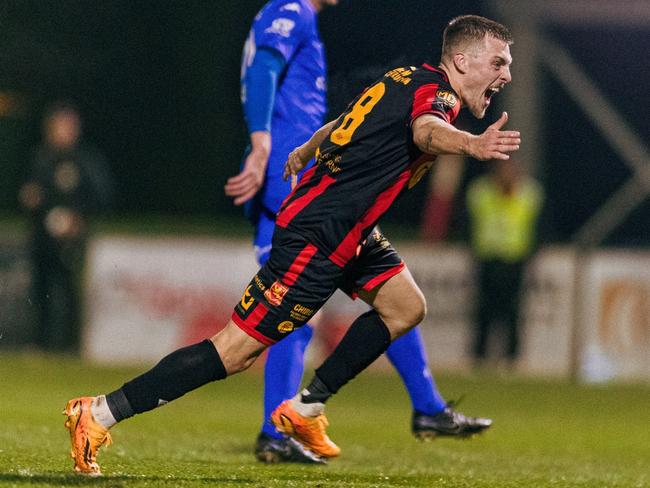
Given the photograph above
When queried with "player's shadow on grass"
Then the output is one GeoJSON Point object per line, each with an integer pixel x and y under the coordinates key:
{"type": "Point", "coordinates": [116, 481]}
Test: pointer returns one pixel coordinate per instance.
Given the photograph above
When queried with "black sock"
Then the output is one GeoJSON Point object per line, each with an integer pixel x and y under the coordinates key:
{"type": "Point", "coordinates": [318, 392]}
{"type": "Point", "coordinates": [176, 374]}
{"type": "Point", "coordinates": [366, 340]}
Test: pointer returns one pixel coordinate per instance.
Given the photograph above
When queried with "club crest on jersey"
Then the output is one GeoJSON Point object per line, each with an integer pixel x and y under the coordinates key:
{"type": "Point", "coordinates": [281, 26]}
{"type": "Point", "coordinates": [285, 327]}
{"type": "Point", "coordinates": [293, 7]}
{"type": "Point", "coordinates": [447, 98]}
{"type": "Point", "coordinates": [276, 293]}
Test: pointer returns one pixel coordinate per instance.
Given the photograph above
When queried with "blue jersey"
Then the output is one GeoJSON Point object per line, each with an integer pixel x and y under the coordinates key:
{"type": "Point", "coordinates": [289, 27]}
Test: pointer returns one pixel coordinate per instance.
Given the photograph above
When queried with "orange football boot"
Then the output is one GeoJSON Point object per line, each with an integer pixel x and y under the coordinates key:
{"type": "Point", "coordinates": [309, 431]}
{"type": "Point", "coordinates": [86, 436]}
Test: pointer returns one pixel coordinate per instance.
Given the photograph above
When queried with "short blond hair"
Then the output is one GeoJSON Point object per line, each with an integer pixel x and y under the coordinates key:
{"type": "Point", "coordinates": [467, 29]}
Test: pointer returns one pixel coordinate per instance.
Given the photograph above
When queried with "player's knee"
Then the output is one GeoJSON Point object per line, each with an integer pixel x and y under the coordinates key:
{"type": "Point", "coordinates": [409, 314]}
{"type": "Point", "coordinates": [236, 362]}
{"type": "Point", "coordinates": [420, 311]}
{"type": "Point", "coordinates": [415, 312]}
{"type": "Point", "coordinates": [239, 365]}
{"type": "Point", "coordinates": [236, 349]}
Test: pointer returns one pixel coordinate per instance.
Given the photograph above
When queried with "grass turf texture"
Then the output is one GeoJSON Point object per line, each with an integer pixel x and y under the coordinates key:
{"type": "Point", "coordinates": [545, 434]}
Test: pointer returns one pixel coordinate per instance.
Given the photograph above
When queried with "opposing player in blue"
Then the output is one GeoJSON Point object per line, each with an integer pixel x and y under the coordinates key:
{"type": "Point", "coordinates": [284, 100]}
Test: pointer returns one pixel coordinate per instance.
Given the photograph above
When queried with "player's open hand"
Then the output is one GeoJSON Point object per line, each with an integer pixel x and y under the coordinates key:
{"type": "Point", "coordinates": [295, 163]}
{"type": "Point", "coordinates": [250, 179]}
{"type": "Point", "coordinates": [495, 143]}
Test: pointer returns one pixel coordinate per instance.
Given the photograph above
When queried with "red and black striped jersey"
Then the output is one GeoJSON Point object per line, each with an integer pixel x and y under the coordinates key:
{"type": "Point", "coordinates": [367, 160]}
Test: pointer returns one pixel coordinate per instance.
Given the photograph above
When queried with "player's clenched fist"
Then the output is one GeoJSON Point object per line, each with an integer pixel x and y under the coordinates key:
{"type": "Point", "coordinates": [495, 143]}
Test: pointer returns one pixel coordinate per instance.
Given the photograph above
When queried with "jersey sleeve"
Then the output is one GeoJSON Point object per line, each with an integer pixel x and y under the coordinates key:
{"type": "Point", "coordinates": [281, 26]}
{"type": "Point", "coordinates": [258, 89]}
{"type": "Point", "coordinates": [435, 99]}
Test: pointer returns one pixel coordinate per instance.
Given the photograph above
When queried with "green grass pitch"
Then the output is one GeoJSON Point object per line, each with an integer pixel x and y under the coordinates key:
{"type": "Point", "coordinates": [545, 434]}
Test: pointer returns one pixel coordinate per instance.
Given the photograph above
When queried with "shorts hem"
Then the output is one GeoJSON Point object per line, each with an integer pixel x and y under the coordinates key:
{"type": "Point", "coordinates": [258, 336]}
{"type": "Point", "coordinates": [380, 278]}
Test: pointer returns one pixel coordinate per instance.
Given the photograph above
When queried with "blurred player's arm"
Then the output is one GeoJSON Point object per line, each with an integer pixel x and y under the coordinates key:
{"type": "Point", "coordinates": [260, 85]}
{"type": "Point", "coordinates": [433, 135]}
{"type": "Point", "coordinates": [300, 156]}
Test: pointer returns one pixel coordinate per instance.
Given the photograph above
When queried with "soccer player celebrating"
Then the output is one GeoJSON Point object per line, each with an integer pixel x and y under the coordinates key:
{"type": "Point", "coordinates": [380, 146]}
{"type": "Point", "coordinates": [283, 96]}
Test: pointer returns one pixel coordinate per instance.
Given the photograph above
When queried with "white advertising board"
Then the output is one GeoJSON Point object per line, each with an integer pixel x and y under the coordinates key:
{"type": "Point", "coordinates": [446, 276]}
{"type": "Point", "coordinates": [615, 316]}
{"type": "Point", "coordinates": [548, 311]}
{"type": "Point", "coordinates": [145, 297]}
{"type": "Point", "coordinates": [148, 296]}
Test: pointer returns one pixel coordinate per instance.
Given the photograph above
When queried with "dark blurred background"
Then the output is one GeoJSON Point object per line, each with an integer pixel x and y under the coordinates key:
{"type": "Point", "coordinates": [158, 86]}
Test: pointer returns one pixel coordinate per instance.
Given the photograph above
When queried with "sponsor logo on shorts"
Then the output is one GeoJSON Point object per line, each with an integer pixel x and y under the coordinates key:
{"type": "Point", "coordinates": [259, 284]}
{"type": "Point", "coordinates": [276, 293]}
{"type": "Point", "coordinates": [301, 313]}
{"type": "Point", "coordinates": [246, 299]}
{"type": "Point", "coordinates": [303, 310]}
{"type": "Point", "coordinates": [285, 326]}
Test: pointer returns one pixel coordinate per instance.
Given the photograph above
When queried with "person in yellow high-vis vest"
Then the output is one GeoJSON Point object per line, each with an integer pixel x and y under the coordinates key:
{"type": "Point", "coordinates": [504, 206]}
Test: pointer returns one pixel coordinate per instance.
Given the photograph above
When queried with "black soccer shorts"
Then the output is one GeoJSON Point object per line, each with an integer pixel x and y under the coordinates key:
{"type": "Point", "coordinates": [298, 279]}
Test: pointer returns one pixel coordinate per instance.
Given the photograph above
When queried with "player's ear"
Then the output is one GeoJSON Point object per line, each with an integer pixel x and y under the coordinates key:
{"type": "Point", "coordinates": [460, 62]}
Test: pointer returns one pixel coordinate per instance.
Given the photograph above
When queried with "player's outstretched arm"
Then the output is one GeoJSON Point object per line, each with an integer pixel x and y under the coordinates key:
{"type": "Point", "coordinates": [300, 156]}
{"type": "Point", "coordinates": [433, 135]}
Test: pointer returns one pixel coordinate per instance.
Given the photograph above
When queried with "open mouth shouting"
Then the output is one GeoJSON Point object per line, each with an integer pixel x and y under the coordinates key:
{"type": "Point", "coordinates": [490, 92]}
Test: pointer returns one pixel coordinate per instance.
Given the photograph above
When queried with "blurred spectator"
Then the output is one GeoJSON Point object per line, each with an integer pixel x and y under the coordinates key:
{"type": "Point", "coordinates": [67, 181]}
{"type": "Point", "coordinates": [444, 180]}
{"type": "Point", "coordinates": [504, 208]}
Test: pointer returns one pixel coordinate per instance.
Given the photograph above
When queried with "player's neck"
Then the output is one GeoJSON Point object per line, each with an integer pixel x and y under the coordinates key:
{"type": "Point", "coordinates": [453, 78]}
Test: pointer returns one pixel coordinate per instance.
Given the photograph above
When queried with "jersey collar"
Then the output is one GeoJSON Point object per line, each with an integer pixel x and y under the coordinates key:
{"type": "Point", "coordinates": [436, 70]}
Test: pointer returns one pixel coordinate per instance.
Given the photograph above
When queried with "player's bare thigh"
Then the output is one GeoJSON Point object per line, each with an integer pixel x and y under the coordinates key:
{"type": "Point", "coordinates": [236, 348]}
{"type": "Point", "coordinates": [399, 302]}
